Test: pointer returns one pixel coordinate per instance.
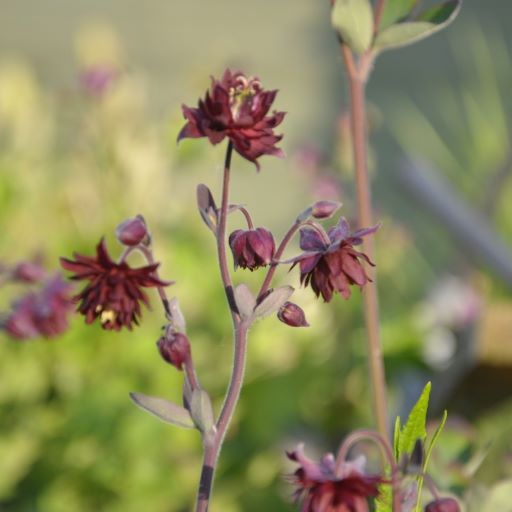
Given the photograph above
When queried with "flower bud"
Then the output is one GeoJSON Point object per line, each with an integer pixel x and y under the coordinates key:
{"type": "Point", "coordinates": [132, 231]}
{"type": "Point", "coordinates": [253, 248]}
{"type": "Point", "coordinates": [324, 209]}
{"type": "Point", "coordinates": [443, 505]}
{"type": "Point", "coordinates": [174, 348]}
{"type": "Point", "coordinates": [292, 315]}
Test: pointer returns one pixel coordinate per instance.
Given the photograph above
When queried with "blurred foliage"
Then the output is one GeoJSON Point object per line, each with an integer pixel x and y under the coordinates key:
{"type": "Point", "coordinates": [73, 164]}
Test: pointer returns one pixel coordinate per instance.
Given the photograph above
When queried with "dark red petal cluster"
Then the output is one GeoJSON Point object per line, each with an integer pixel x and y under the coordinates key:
{"type": "Point", "coordinates": [114, 291]}
{"type": "Point", "coordinates": [236, 107]}
{"type": "Point", "coordinates": [41, 313]}
{"type": "Point", "coordinates": [252, 248]}
{"type": "Point", "coordinates": [443, 505]}
{"type": "Point", "coordinates": [331, 264]}
{"type": "Point", "coordinates": [320, 488]}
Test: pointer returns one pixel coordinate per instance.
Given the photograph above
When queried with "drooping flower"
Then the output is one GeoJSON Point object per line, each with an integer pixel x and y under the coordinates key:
{"type": "Point", "coordinates": [323, 487]}
{"type": "Point", "coordinates": [41, 313]}
{"type": "Point", "coordinates": [115, 290]}
{"type": "Point", "coordinates": [330, 263]}
{"type": "Point", "coordinates": [252, 248]}
{"type": "Point", "coordinates": [236, 107]}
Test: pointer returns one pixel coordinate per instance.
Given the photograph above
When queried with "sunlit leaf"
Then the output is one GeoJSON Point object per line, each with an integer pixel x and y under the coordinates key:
{"type": "Point", "coordinates": [164, 410]}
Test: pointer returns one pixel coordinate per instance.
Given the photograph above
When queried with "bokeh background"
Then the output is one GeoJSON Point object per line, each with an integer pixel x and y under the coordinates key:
{"type": "Point", "coordinates": [76, 159]}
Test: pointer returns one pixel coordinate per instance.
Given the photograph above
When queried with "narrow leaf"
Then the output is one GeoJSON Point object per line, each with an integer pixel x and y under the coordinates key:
{"type": "Point", "coordinates": [384, 502]}
{"type": "Point", "coordinates": [425, 25]}
{"type": "Point", "coordinates": [207, 207]}
{"type": "Point", "coordinates": [245, 301]}
{"type": "Point", "coordinates": [396, 10]}
{"type": "Point", "coordinates": [164, 410]}
{"type": "Point", "coordinates": [273, 301]}
{"type": "Point", "coordinates": [396, 438]}
{"type": "Point", "coordinates": [178, 320]}
{"type": "Point", "coordinates": [415, 426]}
{"type": "Point", "coordinates": [201, 410]}
{"type": "Point", "coordinates": [353, 20]}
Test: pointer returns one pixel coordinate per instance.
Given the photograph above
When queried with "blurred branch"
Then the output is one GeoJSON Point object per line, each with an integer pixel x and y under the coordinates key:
{"type": "Point", "coordinates": [467, 227]}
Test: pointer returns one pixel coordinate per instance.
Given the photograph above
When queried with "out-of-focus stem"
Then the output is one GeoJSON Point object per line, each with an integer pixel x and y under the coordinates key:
{"type": "Point", "coordinates": [377, 16]}
{"type": "Point", "coordinates": [365, 216]}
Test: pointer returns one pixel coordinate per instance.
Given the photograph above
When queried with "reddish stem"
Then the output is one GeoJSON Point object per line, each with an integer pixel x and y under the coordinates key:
{"type": "Point", "coordinates": [377, 14]}
{"type": "Point", "coordinates": [357, 77]}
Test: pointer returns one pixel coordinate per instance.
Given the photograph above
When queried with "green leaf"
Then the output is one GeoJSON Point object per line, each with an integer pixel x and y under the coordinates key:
{"type": "Point", "coordinates": [273, 301]}
{"type": "Point", "coordinates": [414, 429]}
{"type": "Point", "coordinates": [384, 502]}
{"type": "Point", "coordinates": [429, 22]}
{"type": "Point", "coordinates": [245, 301]}
{"type": "Point", "coordinates": [396, 437]}
{"type": "Point", "coordinates": [164, 410]}
{"type": "Point", "coordinates": [396, 10]}
{"type": "Point", "coordinates": [437, 433]}
{"type": "Point", "coordinates": [353, 20]}
{"type": "Point", "coordinates": [201, 410]}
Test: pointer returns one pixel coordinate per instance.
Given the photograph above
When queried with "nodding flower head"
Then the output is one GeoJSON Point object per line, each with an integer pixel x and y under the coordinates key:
{"type": "Point", "coordinates": [114, 291]}
{"type": "Point", "coordinates": [331, 263]}
{"type": "Point", "coordinates": [323, 487]}
{"type": "Point", "coordinates": [236, 107]}
{"type": "Point", "coordinates": [252, 248]}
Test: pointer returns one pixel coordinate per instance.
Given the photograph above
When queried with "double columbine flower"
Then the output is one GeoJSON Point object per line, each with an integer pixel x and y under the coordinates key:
{"type": "Point", "coordinates": [321, 487]}
{"type": "Point", "coordinates": [330, 263]}
{"type": "Point", "coordinates": [115, 290]}
{"type": "Point", "coordinates": [236, 107]}
{"type": "Point", "coordinates": [252, 248]}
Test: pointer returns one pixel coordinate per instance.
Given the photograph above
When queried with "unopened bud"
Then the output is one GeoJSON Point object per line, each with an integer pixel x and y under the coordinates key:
{"type": "Point", "coordinates": [174, 348]}
{"type": "Point", "coordinates": [132, 231]}
{"type": "Point", "coordinates": [324, 209]}
{"type": "Point", "coordinates": [292, 315]}
{"type": "Point", "coordinates": [443, 505]}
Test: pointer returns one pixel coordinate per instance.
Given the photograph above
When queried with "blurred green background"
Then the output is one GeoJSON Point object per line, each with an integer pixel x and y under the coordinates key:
{"type": "Point", "coordinates": [74, 164]}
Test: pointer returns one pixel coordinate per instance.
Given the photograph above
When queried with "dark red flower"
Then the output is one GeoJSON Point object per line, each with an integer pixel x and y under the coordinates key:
{"type": "Point", "coordinates": [322, 487]}
{"type": "Point", "coordinates": [292, 315]}
{"type": "Point", "coordinates": [41, 313]}
{"type": "Point", "coordinates": [236, 107]}
{"type": "Point", "coordinates": [443, 505]}
{"type": "Point", "coordinates": [115, 290]}
{"type": "Point", "coordinates": [331, 264]}
{"type": "Point", "coordinates": [252, 248]}
{"type": "Point", "coordinates": [174, 348]}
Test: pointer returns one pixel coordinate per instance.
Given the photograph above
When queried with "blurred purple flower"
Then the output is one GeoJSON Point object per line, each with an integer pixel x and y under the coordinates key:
{"type": "Point", "coordinates": [42, 313]}
{"type": "Point", "coordinates": [96, 80]}
{"type": "Point", "coordinates": [236, 107]}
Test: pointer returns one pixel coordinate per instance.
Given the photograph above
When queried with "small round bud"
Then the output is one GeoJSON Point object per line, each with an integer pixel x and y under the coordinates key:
{"type": "Point", "coordinates": [292, 315]}
{"type": "Point", "coordinates": [174, 348]}
{"type": "Point", "coordinates": [443, 505]}
{"type": "Point", "coordinates": [132, 231]}
{"type": "Point", "coordinates": [252, 248]}
{"type": "Point", "coordinates": [324, 209]}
